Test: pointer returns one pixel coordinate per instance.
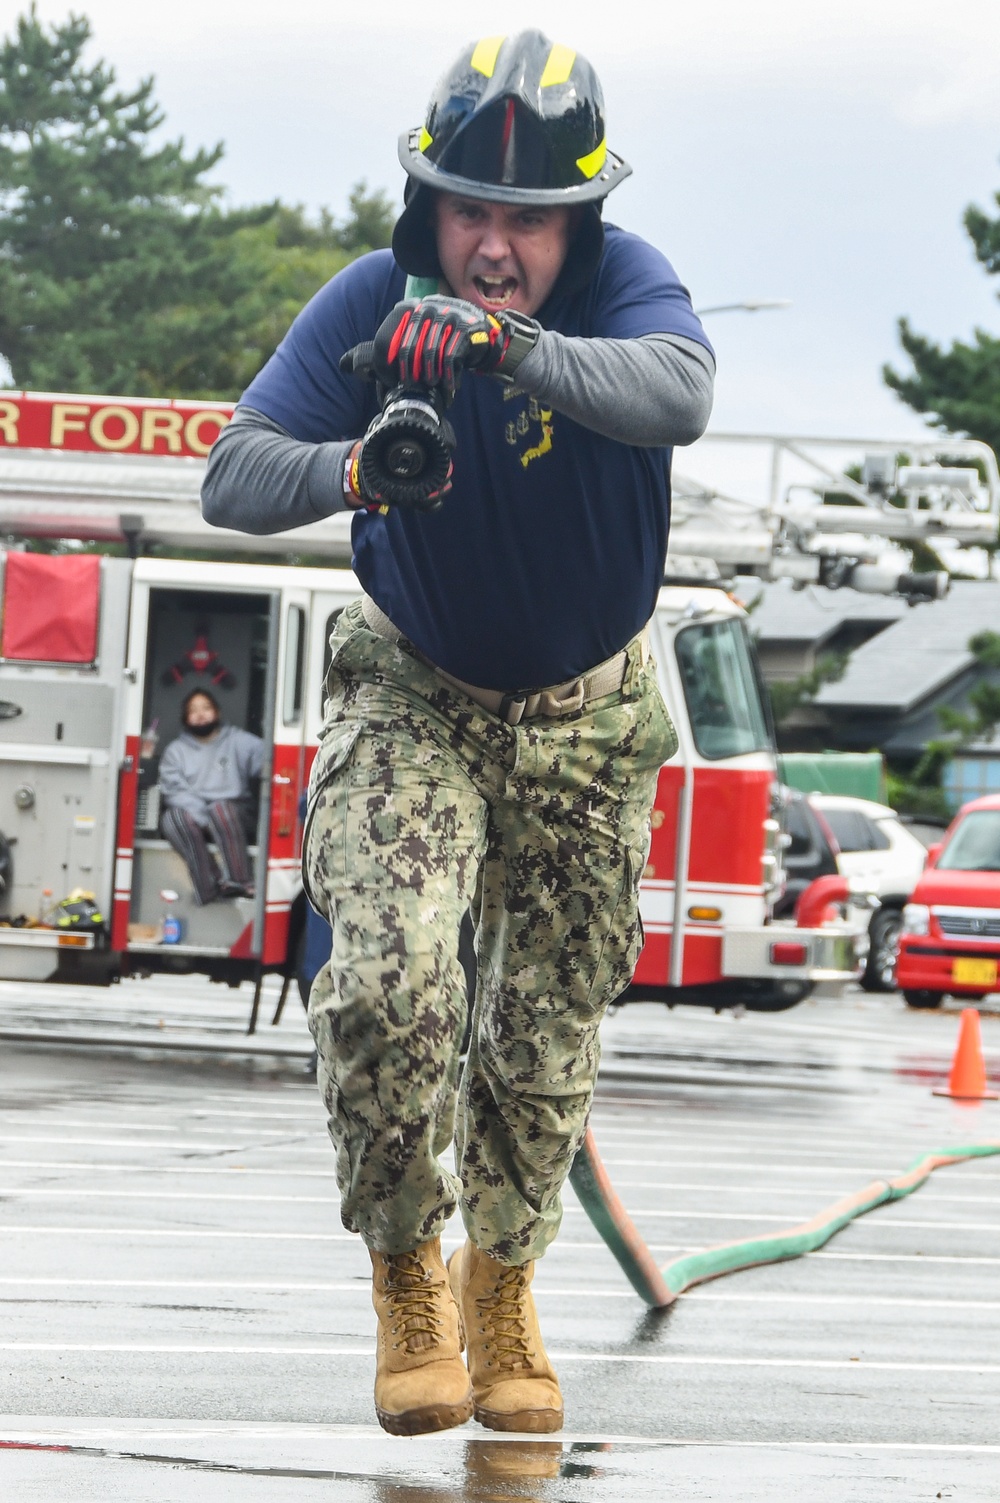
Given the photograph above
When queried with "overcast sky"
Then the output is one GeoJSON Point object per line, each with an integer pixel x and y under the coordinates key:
{"type": "Point", "coordinates": [780, 149]}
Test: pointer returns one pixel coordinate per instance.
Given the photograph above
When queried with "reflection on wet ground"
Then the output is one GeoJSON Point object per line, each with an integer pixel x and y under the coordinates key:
{"type": "Point", "coordinates": [254, 1463]}
{"type": "Point", "coordinates": [448, 1470]}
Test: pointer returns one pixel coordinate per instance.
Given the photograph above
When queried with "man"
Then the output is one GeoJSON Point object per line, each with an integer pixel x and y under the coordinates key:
{"type": "Point", "coordinates": [205, 777]}
{"type": "Point", "coordinates": [494, 729]}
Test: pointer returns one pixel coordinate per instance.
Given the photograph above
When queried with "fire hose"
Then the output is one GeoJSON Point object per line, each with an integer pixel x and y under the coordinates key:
{"type": "Point", "coordinates": [659, 1287]}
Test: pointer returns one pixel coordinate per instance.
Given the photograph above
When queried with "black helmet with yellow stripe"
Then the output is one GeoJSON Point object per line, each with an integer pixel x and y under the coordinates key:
{"type": "Point", "coordinates": [518, 120]}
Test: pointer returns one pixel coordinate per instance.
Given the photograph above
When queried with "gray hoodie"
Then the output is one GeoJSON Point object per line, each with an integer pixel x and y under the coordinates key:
{"type": "Point", "coordinates": [195, 774]}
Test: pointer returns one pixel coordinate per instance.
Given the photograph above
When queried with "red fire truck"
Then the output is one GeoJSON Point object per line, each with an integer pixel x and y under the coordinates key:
{"type": "Point", "coordinates": [97, 652]}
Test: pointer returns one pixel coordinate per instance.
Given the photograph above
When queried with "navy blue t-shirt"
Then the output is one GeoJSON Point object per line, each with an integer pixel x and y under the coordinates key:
{"type": "Point", "coordinates": [548, 552]}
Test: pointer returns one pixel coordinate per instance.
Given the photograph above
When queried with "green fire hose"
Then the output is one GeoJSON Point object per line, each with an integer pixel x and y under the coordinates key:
{"type": "Point", "coordinates": [660, 1287]}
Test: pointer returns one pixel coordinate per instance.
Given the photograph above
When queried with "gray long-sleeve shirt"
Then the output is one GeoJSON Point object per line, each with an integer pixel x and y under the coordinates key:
{"type": "Point", "coordinates": [656, 390]}
{"type": "Point", "coordinates": [196, 773]}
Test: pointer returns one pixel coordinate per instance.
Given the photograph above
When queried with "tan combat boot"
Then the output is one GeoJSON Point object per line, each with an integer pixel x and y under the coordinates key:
{"type": "Point", "coordinates": [421, 1382]}
{"type": "Point", "coordinates": [513, 1382]}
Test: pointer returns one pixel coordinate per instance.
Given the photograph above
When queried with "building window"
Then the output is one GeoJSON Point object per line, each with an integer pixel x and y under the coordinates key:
{"type": "Point", "coordinates": [966, 778]}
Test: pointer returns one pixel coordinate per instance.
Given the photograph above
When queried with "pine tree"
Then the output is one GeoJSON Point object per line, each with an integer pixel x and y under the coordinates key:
{"type": "Point", "coordinates": [958, 387]}
{"type": "Point", "coordinates": [120, 268]}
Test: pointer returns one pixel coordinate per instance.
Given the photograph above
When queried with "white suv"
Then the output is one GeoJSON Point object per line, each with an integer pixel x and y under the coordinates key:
{"type": "Point", "coordinates": [882, 857]}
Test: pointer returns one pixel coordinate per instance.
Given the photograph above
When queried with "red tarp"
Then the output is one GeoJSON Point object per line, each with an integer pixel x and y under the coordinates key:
{"type": "Point", "coordinates": [50, 607]}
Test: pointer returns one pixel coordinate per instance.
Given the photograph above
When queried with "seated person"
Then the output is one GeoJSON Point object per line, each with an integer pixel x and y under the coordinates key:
{"type": "Point", "coordinates": [205, 778]}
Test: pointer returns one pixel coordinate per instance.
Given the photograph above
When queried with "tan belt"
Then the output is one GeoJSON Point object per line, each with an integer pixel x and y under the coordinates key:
{"type": "Point", "coordinates": [524, 704]}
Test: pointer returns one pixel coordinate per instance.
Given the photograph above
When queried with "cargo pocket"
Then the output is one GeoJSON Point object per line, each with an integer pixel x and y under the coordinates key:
{"type": "Point", "coordinates": [337, 752]}
{"type": "Point", "coordinates": [623, 942]}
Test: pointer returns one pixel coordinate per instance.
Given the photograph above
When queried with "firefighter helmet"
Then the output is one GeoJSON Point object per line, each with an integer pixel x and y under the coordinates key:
{"type": "Point", "coordinates": [515, 120]}
{"type": "Point", "coordinates": [78, 911]}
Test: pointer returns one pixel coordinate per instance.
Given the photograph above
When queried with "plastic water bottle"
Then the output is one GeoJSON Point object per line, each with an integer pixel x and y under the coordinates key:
{"type": "Point", "coordinates": [149, 740]}
{"type": "Point", "coordinates": [170, 924]}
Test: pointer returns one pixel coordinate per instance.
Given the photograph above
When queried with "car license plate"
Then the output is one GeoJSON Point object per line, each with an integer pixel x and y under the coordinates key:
{"type": "Point", "coordinates": [974, 972]}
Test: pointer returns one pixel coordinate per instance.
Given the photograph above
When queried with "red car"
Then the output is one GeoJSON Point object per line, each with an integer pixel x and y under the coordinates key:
{"type": "Point", "coordinates": [950, 942]}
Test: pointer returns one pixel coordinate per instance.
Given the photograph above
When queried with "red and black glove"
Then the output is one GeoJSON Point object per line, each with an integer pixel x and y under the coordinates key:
{"type": "Point", "coordinates": [430, 341]}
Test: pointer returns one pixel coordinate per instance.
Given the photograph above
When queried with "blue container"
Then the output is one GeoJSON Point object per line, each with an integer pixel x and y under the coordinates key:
{"type": "Point", "coordinates": [171, 929]}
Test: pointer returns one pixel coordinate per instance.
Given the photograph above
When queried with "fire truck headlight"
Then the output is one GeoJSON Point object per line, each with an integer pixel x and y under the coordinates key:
{"type": "Point", "coordinates": [916, 919]}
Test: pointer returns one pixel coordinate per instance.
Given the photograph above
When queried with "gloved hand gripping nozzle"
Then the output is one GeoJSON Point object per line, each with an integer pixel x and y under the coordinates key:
{"type": "Point", "coordinates": [418, 357]}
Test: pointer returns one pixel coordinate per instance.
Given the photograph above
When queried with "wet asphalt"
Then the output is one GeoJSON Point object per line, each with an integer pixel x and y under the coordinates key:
{"type": "Point", "coordinates": [185, 1317]}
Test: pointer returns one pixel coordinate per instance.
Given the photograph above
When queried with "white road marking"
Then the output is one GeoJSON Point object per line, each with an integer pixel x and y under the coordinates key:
{"type": "Point", "coordinates": [852, 1257]}
{"type": "Point", "coordinates": [117, 1125]}
{"type": "Point", "coordinates": [303, 1116]}
{"type": "Point", "coordinates": [658, 1359]}
{"type": "Point", "coordinates": [673, 1129]}
{"type": "Point", "coordinates": [362, 1287]}
{"type": "Point", "coordinates": [959, 1173]}
{"type": "Point", "coordinates": [42, 1430]}
{"type": "Point", "coordinates": [154, 1231]}
{"type": "Point", "coordinates": [704, 1188]}
{"type": "Point", "coordinates": [282, 1171]}
{"type": "Point", "coordinates": [286, 1172]}
{"type": "Point", "coordinates": [759, 1161]}
{"type": "Point", "coordinates": [865, 1220]}
{"type": "Point", "coordinates": [691, 1214]}
{"type": "Point", "coordinates": [45, 1193]}
{"type": "Point", "coordinates": [561, 1245]}
{"type": "Point", "coordinates": [864, 1173]}
{"type": "Point", "coordinates": [890, 1301]}
{"type": "Point", "coordinates": [205, 1145]}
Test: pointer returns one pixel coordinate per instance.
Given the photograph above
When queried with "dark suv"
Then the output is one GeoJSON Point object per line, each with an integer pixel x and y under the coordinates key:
{"type": "Point", "coordinates": [810, 851]}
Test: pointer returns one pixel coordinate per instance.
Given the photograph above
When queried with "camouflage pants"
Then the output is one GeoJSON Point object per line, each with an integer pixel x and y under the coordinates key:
{"type": "Point", "coordinates": [423, 805]}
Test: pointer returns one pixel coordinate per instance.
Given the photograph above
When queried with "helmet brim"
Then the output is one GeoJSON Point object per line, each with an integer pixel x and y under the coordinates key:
{"type": "Point", "coordinates": [417, 165]}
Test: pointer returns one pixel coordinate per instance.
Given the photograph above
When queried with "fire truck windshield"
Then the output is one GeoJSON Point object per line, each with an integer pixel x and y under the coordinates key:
{"type": "Point", "coordinates": [721, 690]}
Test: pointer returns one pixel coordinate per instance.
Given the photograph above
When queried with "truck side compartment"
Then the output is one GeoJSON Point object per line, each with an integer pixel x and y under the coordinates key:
{"type": "Point", "coordinates": [62, 709]}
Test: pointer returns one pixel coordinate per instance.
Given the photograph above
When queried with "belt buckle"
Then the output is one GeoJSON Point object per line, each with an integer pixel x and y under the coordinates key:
{"type": "Point", "coordinates": [511, 707]}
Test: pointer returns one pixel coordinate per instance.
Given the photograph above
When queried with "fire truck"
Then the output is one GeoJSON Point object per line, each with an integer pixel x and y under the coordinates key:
{"type": "Point", "coordinates": [98, 651]}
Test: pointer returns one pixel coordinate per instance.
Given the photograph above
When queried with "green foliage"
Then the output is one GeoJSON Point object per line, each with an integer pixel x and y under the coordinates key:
{"type": "Point", "coordinates": [120, 268]}
{"type": "Point", "coordinates": [371, 220]}
{"type": "Point", "coordinates": [909, 797]}
{"type": "Point", "coordinates": [957, 387]}
{"type": "Point", "coordinates": [985, 647]}
{"type": "Point", "coordinates": [786, 697]}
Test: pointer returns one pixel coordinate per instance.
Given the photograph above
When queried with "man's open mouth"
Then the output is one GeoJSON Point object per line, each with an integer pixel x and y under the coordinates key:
{"type": "Point", "coordinates": [495, 292]}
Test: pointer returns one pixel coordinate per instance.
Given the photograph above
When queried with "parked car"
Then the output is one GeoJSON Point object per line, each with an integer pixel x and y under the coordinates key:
{"type": "Point", "coordinates": [950, 939]}
{"type": "Point", "coordinates": [865, 842]}
{"type": "Point", "coordinates": [881, 856]}
{"type": "Point", "coordinates": [809, 851]}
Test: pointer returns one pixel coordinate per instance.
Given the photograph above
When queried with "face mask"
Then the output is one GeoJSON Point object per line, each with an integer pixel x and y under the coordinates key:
{"type": "Point", "coordinates": [201, 731]}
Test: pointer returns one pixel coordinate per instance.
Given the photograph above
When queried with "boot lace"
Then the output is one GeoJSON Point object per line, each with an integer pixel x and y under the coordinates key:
{"type": "Point", "coordinates": [504, 1320]}
{"type": "Point", "coordinates": [413, 1296]}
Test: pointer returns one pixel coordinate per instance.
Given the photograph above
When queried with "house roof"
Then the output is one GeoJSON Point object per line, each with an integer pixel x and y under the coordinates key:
{"type": "Point", "coordinates": [814, 614]}
{"type": "Point", "coordinates": [917, 655]}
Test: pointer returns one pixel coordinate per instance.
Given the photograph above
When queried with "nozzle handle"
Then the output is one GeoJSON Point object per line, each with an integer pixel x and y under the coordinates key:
{"type": "Point", "coordinates": [359, 361]}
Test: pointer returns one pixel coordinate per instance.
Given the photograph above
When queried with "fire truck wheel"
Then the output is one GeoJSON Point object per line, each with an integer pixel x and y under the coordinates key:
{"type": "Point", "coordinates": [883, 943]}
{"type": "Point", "coordinates": [771, 996]}
{"type": "Point", "coordinates": [924, 998]}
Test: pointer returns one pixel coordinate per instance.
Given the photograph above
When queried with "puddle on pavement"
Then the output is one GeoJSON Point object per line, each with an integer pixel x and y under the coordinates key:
{"type": "Point", "coordinates": [433, 1470]}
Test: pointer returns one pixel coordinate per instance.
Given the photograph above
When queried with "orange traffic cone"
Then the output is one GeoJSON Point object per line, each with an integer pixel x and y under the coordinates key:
{"type": "Point", "coordinates": [967, 1081]}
